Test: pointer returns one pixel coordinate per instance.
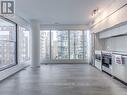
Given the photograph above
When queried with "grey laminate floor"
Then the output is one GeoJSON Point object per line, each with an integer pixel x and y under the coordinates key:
{"type": "Point", "coordinates": [62, 79]}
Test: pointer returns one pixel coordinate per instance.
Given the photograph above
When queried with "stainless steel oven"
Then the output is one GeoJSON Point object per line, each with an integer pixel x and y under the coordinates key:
{"type": "Point", "coordinates": [107, 62]}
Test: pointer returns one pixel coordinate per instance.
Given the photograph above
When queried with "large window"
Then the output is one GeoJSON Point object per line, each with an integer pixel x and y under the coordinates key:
{"type": "Point", "coordinates": [64, 45]}
{"type": "Point", "coordinates": [7, 44]}
{"type": "Point", "coordinates": [59, 45]}
{"type": "Point", "coordinates": [45, 44]}
{"type": "Point", "coordinates": [24, 44]}
{"type": "Point", "coordinates": [76, 45]}
{"type": "Point", "coordinates": [86, 44]}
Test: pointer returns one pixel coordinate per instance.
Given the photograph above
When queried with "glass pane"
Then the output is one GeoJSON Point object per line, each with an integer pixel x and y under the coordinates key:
{"type": "Point", "coordinates": [24, 45]}
{"type": "Point", "coordinates": [59, 44]}
{"type": "Point", "coordinates": [76, 44]}
{"type": "Point", "coordinates": [7, 53]}
{"type": "Point", "coordinates": [72, 45]}
{"type": "Point", "coordinates": [7, 31]}
{"type": "Point", "coordinates": [86, 44]}
{"type": "Point", "coordinates": [45, 44]}
{"type": "Point", "coordinates": [7, 44]}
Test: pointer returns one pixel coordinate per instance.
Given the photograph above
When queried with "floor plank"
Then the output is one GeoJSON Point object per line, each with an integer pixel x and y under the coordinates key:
{"type": "Point", "coordinates": [64, 79]}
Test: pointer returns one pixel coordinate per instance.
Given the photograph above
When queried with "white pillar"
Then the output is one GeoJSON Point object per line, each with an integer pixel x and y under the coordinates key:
{"type": "Point", "coordinates": [35, 26]}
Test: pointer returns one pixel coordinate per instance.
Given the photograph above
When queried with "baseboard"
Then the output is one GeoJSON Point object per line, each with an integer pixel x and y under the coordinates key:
{"type": "Point", "coordinates": [120, 80]}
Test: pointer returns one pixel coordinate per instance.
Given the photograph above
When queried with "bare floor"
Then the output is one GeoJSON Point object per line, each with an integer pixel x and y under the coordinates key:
{"type": "Point", "coordinates": [70, 79]}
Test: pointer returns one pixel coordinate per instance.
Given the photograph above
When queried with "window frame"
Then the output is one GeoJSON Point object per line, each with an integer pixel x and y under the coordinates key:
{"type": "Point", "coordinates": [16, 45]}
{"type": "Point", "coordinates": [18, 41]}
{"type": "Point", "coordinates": [60, 30]}
{"type": "Point", "coordinates": [69, 34]}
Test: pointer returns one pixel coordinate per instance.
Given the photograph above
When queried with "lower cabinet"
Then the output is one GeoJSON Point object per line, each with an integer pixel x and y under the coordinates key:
{"type": "Point", "coordinates": [112, 63]}
{"type": "Point", "coordinates": [98, 60]}
{"type": "Point", "coordinates": [120, 70]}
{"type": "Point", "coordinates": [98, 64]}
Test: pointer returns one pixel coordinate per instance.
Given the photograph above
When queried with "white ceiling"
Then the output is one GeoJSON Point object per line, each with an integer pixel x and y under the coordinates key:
{"type": "Point", "coordinates": [58, 11]}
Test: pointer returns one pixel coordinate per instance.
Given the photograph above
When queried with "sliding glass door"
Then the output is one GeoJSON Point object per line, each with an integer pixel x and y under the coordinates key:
{"type": "Point", "coordinates": [7, 43]}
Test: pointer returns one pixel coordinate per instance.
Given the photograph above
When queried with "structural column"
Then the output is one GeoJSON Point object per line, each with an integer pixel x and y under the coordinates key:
{"type": "Point", "coordinates": [35, 26]}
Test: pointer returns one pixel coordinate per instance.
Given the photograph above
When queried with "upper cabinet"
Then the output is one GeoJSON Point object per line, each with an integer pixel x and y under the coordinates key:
{"type": "Point", "coordinates": [121, 30]}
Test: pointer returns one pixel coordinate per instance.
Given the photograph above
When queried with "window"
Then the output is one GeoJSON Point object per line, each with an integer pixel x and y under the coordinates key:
{"type": "Point", "coordinates": [87, 45]}
{"type": "Point", "coordinates": [59, 45]}
{"type": "Point", "coordinates": [45, 44]}
{"type": "Point", "coordinates": [64, 45]}
{"type": "Point", "coordinates": [86, 40]}
{"type": "Point", "coordinates": [7, 43]}
{"type": "Point", "coordinates": [76, 44]}
{"type": "Point", "coordinates": [24, 44]}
